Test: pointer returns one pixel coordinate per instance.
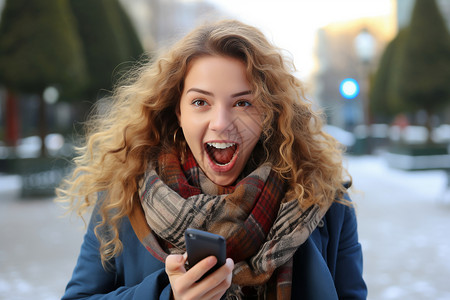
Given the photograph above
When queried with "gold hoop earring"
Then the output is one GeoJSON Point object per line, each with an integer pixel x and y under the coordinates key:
{"type": "Point", "coordinates": [180, 145]}
{"type": "Point", "coordinates": [175, 135]}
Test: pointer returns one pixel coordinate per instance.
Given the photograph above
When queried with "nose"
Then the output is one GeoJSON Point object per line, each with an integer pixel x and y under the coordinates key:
{"type": "Point", "coordinates": [221, 119]}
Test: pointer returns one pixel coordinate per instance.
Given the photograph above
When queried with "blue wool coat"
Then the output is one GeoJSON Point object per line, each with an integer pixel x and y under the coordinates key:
{"type": "Point", "coordinates": [327, 266]}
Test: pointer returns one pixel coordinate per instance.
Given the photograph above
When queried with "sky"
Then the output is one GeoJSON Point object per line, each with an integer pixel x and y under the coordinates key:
{"type": "Point", "coordinates": [292, 24]}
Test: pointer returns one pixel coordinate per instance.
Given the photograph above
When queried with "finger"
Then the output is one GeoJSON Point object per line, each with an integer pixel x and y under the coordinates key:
{"type": "Point", "coordinates": [175, 270]}
{"type": "Point", "coordinates": [230, 267]}
{"type": "Point", "coordinates": [225, 271]}
{"type": "Point", "coordinates": [196, 272]}
{"type": "Point", "coordinates": [217, 292]}
{"type": "Point", "coordinates": [185, 284]}
{"type": "Point", "coordinates": [216, 284]}
{"type": "Point", "coordinates": [175, 264]}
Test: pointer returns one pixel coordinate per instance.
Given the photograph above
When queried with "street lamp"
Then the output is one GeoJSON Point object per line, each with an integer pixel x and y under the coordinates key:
{"type": "Point", "coordinates": [365, 46]}
{"type": "Point", "coordinates": [365, 50]}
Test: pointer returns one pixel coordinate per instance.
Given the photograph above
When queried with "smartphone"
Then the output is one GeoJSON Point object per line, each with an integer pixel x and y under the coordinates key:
{"type": "Point", "coordinates": [201, 244]}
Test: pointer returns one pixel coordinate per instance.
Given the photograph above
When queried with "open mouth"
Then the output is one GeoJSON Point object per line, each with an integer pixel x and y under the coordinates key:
{"type": "Point", "coordinates": [221, 153]}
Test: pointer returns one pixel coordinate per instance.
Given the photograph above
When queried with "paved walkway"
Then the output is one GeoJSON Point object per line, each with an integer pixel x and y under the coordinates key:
{"type": "Point", "coordinates": [404, 224]}
{"type": "Point", "coordinates": [404, 229]}
{"type": "Point", "coordinates": [38, 247]}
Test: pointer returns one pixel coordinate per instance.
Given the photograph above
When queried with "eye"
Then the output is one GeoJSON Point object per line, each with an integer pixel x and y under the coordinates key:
{"type": "Point", "coordinates": [199, 102]}
{"type": "Point", "coordinates": [243, 103]}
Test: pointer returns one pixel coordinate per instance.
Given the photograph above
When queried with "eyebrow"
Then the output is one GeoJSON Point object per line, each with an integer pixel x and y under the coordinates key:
{"type": "Point", "coordinates": [211, 94]}
{"type": "Point", "coordinates": [241, 94]}
{"type": "Point", "coordinates": [200, 91]}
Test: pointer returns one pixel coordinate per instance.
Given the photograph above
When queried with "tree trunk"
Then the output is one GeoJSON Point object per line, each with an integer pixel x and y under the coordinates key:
{"type": "Point", "coordinates": [429, 125]}
{"type": "Point", "coordinates": [42, 124]}
{"type": "Point", "coordinates": [12, 119]}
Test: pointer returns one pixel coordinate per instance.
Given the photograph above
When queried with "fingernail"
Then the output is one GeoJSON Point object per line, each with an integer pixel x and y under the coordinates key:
{"type": "Point", "coordinates": [212, 260]}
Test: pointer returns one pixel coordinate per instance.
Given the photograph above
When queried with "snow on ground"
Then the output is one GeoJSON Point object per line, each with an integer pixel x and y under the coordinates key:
{"type": "Point", "coordinates": [404, 222]}
{"type": "Point", "coordinates": [368, 171]}
{"type": "Point", "coordinates": [9, 183]}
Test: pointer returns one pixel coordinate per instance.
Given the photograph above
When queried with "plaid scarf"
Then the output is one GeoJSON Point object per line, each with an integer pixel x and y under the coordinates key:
{"type": "Point", "coordinates": [262, 228]}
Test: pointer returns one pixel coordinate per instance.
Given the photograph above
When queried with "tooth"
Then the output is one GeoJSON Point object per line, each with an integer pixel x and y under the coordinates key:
{"type": "Point", "coordinates": [221, 145]}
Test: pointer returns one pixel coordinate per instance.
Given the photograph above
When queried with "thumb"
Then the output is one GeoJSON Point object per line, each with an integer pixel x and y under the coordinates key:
{"type": "Point", "coordinates": [175, 264]}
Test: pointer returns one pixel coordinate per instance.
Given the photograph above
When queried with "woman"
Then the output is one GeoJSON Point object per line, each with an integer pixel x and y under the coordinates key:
{"type": "Point", "coordinates": [215, 135]}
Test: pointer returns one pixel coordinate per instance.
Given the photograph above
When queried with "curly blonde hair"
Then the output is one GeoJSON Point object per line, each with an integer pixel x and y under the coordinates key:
{"type": "Point", "coordinates": [141, 121]}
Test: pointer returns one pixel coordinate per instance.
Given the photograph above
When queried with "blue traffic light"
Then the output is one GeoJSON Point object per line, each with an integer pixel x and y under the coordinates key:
{"type": "Point", "coordinates": [349, 88]}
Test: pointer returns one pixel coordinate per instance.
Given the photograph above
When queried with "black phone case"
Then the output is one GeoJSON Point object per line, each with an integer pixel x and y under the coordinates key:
{"type": "Point", "coordinates": [201, 244]}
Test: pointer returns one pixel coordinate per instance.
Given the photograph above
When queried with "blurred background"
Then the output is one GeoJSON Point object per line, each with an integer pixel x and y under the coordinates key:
{"type": "Point", "coordinates": [379, 69]}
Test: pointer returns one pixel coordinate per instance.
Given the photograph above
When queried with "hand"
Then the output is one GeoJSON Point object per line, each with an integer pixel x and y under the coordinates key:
{"type": "Point", "coordinates": [184, 285]}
